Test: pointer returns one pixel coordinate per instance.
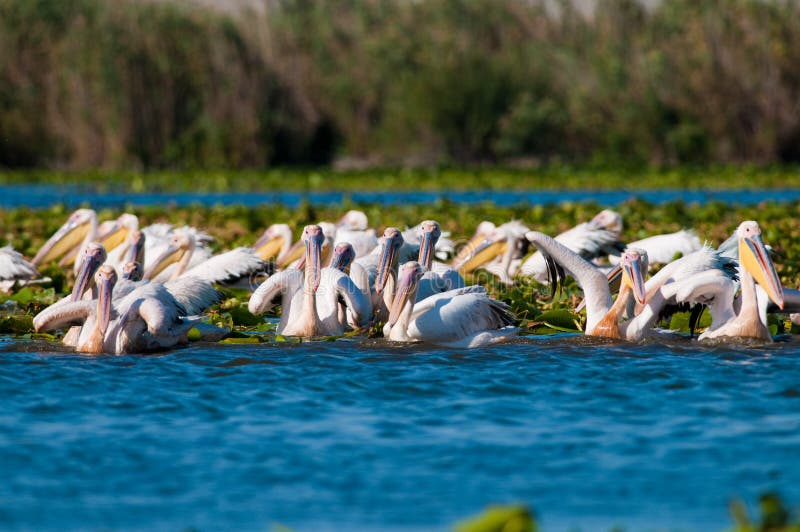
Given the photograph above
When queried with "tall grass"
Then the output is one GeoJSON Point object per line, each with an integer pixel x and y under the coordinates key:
{"type": "Point", "coordinates": [124, 83]}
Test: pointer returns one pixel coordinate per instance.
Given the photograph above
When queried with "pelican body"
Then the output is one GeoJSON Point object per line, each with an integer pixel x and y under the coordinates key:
{"type": "Point", "coordinates": [464, 317]}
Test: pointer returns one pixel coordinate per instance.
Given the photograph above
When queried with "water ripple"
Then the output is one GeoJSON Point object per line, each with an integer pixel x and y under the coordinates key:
{"type": "Point", "coordinates": [361, 435]}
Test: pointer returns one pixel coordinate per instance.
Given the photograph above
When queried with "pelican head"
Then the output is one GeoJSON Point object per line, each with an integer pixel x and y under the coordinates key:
{"type": "Point", "coordinates": [273, 241]}
{"type": "Point", "coordinates": [391, 242]}
{"type": "Point", "coordinates": [135, 251]}
{"type": "Point", "coordinates": [94, 255]}
{"type": "Point", "coordinates": [407, 284]}
{"type": "Point", "coordinates": [118, 231]}
{"type": "Point", "coordinates": [68, 236]}
{"type": "Point", "coordinates": [633, 263]}
{"type": "Point", "coordinates": [429, 233]}
{"type": "Point", "coordinates": [462, 260]}
{"type": "Point", "coordinates": [343, 256]}
{"type": "Point", "coordinates": [133, 271]}
{"type": "Point", "coordinates": [106, 278]}
{"type": "Point", "coordinates": [608, 220]}
{"type": "Point", "coordinates": [354, 221]}
{"type": "Point", "coordinates": [180, 248]}
{"type": "Point", "coordinates": [754, 258]}
{"type": "Point", "coordinates": [313, 239]}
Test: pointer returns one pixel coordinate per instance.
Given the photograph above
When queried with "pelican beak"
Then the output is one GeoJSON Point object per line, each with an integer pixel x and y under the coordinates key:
{"type": "Point", "coordinates": [755, 259]}
{"type": "Point", "coordinates": [385, 265]}
{"type": "Point", "coordinates": [426, 249]}
{"type": "Point", "coordinates": [313, 263]}
{"type": "Point", "coordinates": [171, 255]}
{"type": "Point", "coordinates": [68, 236]}
{"type": "Point", "coordinates": [295, 252]}
{"type": "Point", "coordinates": [115, 236]}
{"type": "Point", "coordinates": [136, 250]}
{"type": "Point", "coordinates": [89, 267]}
{"type": "Point", "coordinates": [106, 283]}
{"type": "Point", "coordinates": [268, 247]}
{"type": "Point", "coordinates": [479, 252]}
{"type": "Point", "coordinates": [632, 276]}
{"type": "Point", "coordinates": [406, 290]}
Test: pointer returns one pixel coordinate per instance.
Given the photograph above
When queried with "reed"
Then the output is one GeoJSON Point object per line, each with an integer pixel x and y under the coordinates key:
{"type": "Point", "coordinates": [127, 84]}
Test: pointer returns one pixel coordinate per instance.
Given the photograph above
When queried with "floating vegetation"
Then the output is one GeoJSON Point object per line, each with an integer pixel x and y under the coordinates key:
{"type": "Point", "coordinates": [538, 311]}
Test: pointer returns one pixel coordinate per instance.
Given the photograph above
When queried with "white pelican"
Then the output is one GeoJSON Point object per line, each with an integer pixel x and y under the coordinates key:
{"type": "Point", "coordinates": [14, 269]}
{"type": "Point", "coordinates": [147, 319]}
{"type": "Point", "coordinates": [343, 260]}
{"type": "Point", "coordinates": [464, 317]}
{"type": "Point", "coordinates": [75, 234]}
{"type": "Point", "coordinates": [444, 249]}
{"type": "Point", "coordinates": [662, 249]}
{"type": "Point", "coordinates": [193, 294]}
{"type": "Point", "coordinates": [228, 267]}
{"type": "Point", "coordinates": [311, 301]}
{"type": "Point", "coordinates": [353, 228]}
{"type": "Point", "coordinates": [602, 317]}
{"type": "Point", "coordinates": [275, 243]}
{"type": "Point", "coordinates": [498, 250]}
{"type": "Point", "coordinates": [596, 238]}
{"type": "Point", "coordinates": [716, 291]}
{"type": "Point", "coordinates": [116, 238]}
{"type": "Point", "coordinates": [441, 277]}
{"type": "Point", "coordinates": [484, 229]}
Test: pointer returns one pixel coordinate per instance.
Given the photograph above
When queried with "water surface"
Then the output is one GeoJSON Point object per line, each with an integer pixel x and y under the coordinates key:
{"type": "Point", "coordinates": [39, 196]}
{"type": "Point", "coordinates": [358, 435]}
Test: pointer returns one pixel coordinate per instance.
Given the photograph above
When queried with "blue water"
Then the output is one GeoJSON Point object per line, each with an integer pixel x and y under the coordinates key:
{"type": "Point", "coordinates": [359, 435]}
{"type": "Point", "coordinates": [38, 196]}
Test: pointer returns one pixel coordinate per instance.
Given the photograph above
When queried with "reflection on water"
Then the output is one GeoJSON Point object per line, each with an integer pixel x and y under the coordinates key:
{"type": "Point", "coordinates": [38, 196]}
{"type": "Point", "coordinates": [351, 435]}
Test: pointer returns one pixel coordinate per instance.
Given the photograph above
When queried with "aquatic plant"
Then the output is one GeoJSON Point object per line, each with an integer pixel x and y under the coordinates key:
{"type": "Point", "coordinates": [538, 312]}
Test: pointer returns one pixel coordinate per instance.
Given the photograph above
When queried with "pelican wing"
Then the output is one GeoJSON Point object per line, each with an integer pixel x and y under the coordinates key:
{"type": "Point", "coordinates": [196, 295]}
{"type": "Point", "coordinates": [586, 240]}
{"type": "Point", "coordinates": [228, 267]}
{"type": "Point", "coordinates": [454, 316]}
{"type": "Point", "coordinates": [363, 242]}
{"type": "Point", "coordinates": [286, 282]}
{"type": "Point", "coordinates": [661, 249]}
{"type": "Point", "coordinates": [63, 314]}
{"type": "Point", "coordinates": [450, 276]}
{"type": "Point", "coordinates": [14, 266]}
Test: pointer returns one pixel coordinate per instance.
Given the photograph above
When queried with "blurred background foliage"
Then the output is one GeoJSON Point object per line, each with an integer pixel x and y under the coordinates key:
{"type": "Point", "coordinates": [179, 84]}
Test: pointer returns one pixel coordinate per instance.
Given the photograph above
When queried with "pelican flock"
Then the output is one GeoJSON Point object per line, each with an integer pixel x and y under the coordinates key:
{"type": "Point", "coordinates": [139, 289]}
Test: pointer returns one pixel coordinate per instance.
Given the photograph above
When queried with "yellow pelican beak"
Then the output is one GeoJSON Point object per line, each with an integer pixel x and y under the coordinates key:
{"type": "Point", "coordinates": [295, 252]}
{"type": "Point", "coordinates": [754, 257]}
{"type": "Point", "coordinates": [407, 284]}
{"type": "Point", "coordinates": [267, 247]}
{"type": "Point", "coordinates": [116, 235]}
{"type": "Point", "coordinates": [479, 251]}
{"type": "Point", "coordinates": [171, 255]}
{"type": "Point", "coordinates": [68, 236]}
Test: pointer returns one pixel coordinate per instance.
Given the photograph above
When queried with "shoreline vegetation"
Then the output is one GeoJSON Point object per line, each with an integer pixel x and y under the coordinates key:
{"type": "Point", "coordinates": [548, 177]}
{"type": "Point", "coordinates": [231, 226]}
{"type": "Point", "coordinates": [368, 83]}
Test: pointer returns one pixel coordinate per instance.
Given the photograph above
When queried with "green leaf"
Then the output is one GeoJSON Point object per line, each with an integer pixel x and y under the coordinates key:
{"type": "Point", "coordinates": [512, 518]}
{"type": "Point", "coordinates": [247, 340]}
